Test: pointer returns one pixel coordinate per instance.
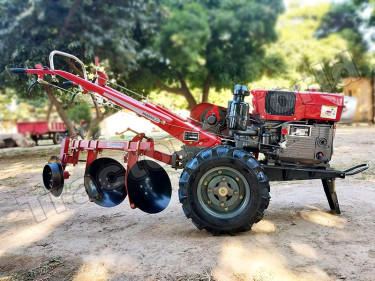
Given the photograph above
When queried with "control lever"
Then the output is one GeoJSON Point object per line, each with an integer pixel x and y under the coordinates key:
{"type": "Point", "coordinates": [30, 87]}
{"type": "Point", "coordinates": [71, 83]}
{"type": "Point", "coordinates": [73, 97]}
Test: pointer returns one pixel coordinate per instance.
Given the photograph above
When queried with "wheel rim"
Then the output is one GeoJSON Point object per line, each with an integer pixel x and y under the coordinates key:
{"type": "Point", "coordinates": [59, 138]}
{"type": "Point", "coordinates": [223, 192]}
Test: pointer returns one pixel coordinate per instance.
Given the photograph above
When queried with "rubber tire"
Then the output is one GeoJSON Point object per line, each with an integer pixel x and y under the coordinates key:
{"type": "Point", "coordinates": [56, 139]}
{"type": "Point", "coordinates": [35, 139]}
{"type": "Point", "coordinates": [240, 160]}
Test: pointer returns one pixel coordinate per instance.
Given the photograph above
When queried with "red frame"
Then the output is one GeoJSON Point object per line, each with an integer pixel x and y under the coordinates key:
{"type": "Point", "coordinates": [71, 149]}
{"type": "Point", "coordinates": [161, 117]}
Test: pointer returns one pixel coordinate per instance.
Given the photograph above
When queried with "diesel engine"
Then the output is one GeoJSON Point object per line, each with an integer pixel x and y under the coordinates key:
{"type": "Point", "coordinates": [284, 126]}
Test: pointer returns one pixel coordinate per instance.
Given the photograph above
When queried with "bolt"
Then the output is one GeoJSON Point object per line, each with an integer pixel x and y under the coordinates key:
{"type": "Point", "coordinates": [223, 179]}
{"type": "Point", "coordinates": [208, 202]}
{"type": "Point", "coordinates": [200, 143]}
{"type": "Point", "coordinates": [241, 197]}
{"type": "Point", "coordinates": [220, 172]}
{"type": "Point", "coordinates": [222, 204]}
{"type": "Point", "coordinates": [237, 179]}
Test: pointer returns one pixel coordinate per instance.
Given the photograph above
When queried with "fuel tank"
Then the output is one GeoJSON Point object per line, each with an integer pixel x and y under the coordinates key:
{"type": "Point", "coordinates": [294, 106]}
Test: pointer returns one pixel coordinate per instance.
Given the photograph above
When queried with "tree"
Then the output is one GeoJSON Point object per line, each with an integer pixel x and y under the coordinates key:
{"type": "Point", "coordinates": [29, 30]}
{"type": "Point", "coordinates": [367, 5]}
{"type": "Point", "coordinates": [309, 54]}
{"type": "Point", "coordinates": [208, 44]}
{"type": "Point", "coordinates": [346, 20]}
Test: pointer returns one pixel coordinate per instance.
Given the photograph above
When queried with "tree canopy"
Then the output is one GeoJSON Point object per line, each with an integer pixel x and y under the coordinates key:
{"type": "Point", "coordinates": [209, 44]}
{"type": "Point", "coordinates": [187, 48]}
{"type": "Point", "coordinates": [312, 40]}
{"type": "Point", "coordinates": [30, 30]}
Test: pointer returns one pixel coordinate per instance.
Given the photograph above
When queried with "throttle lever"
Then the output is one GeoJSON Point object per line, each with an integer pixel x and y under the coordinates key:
{"type": "Point", "coordinates": [68, 83]}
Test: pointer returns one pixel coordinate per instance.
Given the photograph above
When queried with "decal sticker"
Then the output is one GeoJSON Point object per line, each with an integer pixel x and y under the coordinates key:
{"type": "Point", "coordinates": [329, 112]}
{"type": "Point", "coordinates": [115, 145]}
{"type": "Point", "coordinates": [191, 136]}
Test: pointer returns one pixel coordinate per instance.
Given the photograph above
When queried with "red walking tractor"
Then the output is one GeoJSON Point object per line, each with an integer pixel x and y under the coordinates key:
{"type": "Point", "coordinates": [228, 158]}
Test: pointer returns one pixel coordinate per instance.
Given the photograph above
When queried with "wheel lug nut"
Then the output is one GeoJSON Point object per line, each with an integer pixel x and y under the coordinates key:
{"type": "Point", "coordinates": [222, 204]}
{"type": "Point", "coordinates": [226, 208]}
{"type": "Point", "coordinates": [210, 190]}
{"type": "Point", "coordinates": [220, 172]}
{"type": "Point", "coordinates": [208, 202]}
{"type": "Point", "coordinates": [235, 193]}
{"type": "Point", "coordinates": [223, 179]}
{"type": "Point", "coordinates": [241, 197]}
{"type": "Point", "coordinates": [205, 183]}
{"type": "Point", "coordinates": [237, 179]}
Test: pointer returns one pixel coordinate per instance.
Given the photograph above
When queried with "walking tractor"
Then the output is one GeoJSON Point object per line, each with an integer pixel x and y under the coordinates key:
{"type": "Point", "coordinates": [228, 158]}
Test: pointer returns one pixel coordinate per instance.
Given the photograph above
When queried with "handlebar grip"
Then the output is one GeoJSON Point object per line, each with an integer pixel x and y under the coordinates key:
{"type": "Point", "coordinates": [18, 70]}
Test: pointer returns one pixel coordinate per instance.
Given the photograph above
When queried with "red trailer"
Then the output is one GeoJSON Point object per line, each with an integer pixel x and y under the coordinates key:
{"type": "Point", "coordinates": [43, 130]}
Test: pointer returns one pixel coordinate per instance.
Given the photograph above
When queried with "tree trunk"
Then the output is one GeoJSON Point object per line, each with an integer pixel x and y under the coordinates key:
{"type": "Point", "coordinates": [206, 88]}
{"type": "Point", "coordinates": [60, 110]}
{"type": "Point", "coordinates": [187, 94]}
{"type": "Point", "coordinates": [49, 111]}
{"type": "Point", "coordinates": [95, 122]}
{"type": "Point", "coordinates": [69, 17]}
{"type": "Point", "coordinates": [98, 114]}
{"type": "Point", "coordinates": [183, 91]}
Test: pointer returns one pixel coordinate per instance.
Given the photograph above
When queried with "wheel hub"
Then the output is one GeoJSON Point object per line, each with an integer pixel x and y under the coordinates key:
{"type": "Point", "coordinates": [222, 191]}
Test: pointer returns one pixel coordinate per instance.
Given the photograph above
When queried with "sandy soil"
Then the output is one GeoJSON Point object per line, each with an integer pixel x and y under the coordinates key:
{"type": "Point", "coordinates": [68, 238]}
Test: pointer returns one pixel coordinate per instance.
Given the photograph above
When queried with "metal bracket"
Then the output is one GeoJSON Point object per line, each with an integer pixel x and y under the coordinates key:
{"type": "Point", "coordinates": [330, 191]}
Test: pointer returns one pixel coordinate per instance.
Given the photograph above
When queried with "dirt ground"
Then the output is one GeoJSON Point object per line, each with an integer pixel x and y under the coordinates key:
{"type": "Point", "coordinates": [68, 238]}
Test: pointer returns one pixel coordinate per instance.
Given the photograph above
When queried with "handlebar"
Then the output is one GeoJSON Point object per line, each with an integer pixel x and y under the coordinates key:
{"type": "Point", "coordinates": [52, 66]}
{"type": "Point", "coordinates": [18, 70]}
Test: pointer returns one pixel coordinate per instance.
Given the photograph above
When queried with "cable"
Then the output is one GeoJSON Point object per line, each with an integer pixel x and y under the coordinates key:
{"type": "Point", "coordinates": [126, 89]}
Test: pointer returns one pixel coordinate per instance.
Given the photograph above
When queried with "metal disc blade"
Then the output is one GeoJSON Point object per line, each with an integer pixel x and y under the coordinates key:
{"type": "Point", "coordinates": [105, 182]}
{"type": "Point", "coordinates": [149, 186]}
{"type": "Point", "coordinates": [53, 178]}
